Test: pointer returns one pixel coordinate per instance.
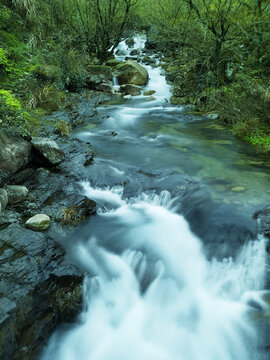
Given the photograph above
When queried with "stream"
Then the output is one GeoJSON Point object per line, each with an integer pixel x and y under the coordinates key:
{"type": "Point", "coordinates": [174, 267]}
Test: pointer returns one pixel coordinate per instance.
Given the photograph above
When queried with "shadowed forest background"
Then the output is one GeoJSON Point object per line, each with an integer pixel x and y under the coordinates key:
{"type": "Point", "coordinates": [216, 52]}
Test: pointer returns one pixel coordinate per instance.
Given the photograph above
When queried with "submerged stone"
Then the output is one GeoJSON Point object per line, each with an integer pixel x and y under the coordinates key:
{"type": "Point", "coordinates": [238, 189]}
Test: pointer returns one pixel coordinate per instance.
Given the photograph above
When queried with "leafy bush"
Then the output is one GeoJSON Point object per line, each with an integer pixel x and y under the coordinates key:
{"type": "Point", "coordinates": [13, 114]}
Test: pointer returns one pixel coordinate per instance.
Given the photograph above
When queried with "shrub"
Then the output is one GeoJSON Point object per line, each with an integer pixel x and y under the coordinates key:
{"type": "Point", "coordinates": [13, 114]}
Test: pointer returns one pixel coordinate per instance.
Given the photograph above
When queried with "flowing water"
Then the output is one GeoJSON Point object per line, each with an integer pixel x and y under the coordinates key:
{"type": "Point", "coordinates": [151, 290]}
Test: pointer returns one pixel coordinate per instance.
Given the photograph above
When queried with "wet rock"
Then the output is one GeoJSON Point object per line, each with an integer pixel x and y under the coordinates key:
{"type": "Point", "coordinates": [127, 97]}
{"type": "Point", "coordinates": [16, 193]}
{"type": "Point", "coordinates": [134, 52]}
{"type": "Point", "coordinates": [38, 290]}
{"type": "Point", "coordinates": [100, 70]}
{"type": "Point", "coordinates": [147, 60]}
{"type": "Point", "coordinates": [47, 149]}
{"type": "Point", "coordinates": [3, 199]}
{"type": "Point", "coordinates": [9, 217]}
{"type": "Point", "coordinates": [80, 210]}
{"type": "Point", "coordinates": [149, 92]}
{"type": "Point", "coordinates": [263, 218]}
{"type": "Point", "coordinates": [130, 42]}
{"type": "Point", "coordinates": [21, 176]}
{"type": "Point", "coordinates": [14, 154]}
{"type": "Point", "coordinates": [129, 89]}
{"type": "Point", "coordinates": [105, 87]}
{"type": "Point", "coordinates": [130, 72]}
{"type": "Point", "coordinates": [120, 52]}
{"type": "Point", "coordinates": [39, 222]}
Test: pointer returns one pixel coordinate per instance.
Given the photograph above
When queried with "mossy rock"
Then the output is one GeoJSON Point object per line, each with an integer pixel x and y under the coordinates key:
{"type": "Point", "coordinates": [130, 72]}
{"type": "Point", "coordinates": [149, 92]}
{"type": "Point", "coordinates": [100, 70]}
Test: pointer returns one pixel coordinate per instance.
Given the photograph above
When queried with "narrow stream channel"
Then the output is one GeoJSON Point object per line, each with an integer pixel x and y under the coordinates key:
{"type": "Point", "coordinates": [156, 291]}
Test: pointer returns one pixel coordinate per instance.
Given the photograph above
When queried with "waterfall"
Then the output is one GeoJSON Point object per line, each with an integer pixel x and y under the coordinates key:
{"type": "Point", "coordinates": [157, 296]}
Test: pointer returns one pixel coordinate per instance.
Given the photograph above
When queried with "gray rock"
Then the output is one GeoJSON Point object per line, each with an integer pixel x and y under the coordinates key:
{"type": "Point", "coordinates": [3, 200]}
{"type": "Point", "coordinates": [39, 222]}
{"type": "Point", "coordinates": [16, 193]}
{"type": "Point", "coordinates": [49, 149]}
{"type": "Point", "coordinates": [38, 290]}
{"type": "Point", "coordinates": [130, 72]}
{"type": "Point", "coordinates": [105, 87]}
{"type": "Point", "coordinates": [14, 154]}
{"type": "Point", "coordinates": [129, 89]}
{"type": "Point", "coordinates": [212, 116]}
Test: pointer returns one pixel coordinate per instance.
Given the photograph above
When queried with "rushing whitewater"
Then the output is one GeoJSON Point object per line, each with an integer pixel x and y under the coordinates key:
{"type": "Point", "coordinates": [158, 297]}
{"type": "Point", "coordinates": [152, 293]}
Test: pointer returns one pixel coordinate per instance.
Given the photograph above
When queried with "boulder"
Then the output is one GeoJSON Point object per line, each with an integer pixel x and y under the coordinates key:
{"type": "Point", "coordinates": [14, 154]}
{"type": "Point", "coordinates": [38, 222]}
{"type": "Point", "coordinates": [129, 89]}
{"type": "Point", "coordinates": [130, 72]}
{"type": "Point", "coordinates": [16, 193]}
{"type": "Point", "coordinates": [3, 199]}
{"type": "Point", "coordinates": [48, 150]}
{"type": "Point", "coordinates": [100, 70]}
{"type": "Point", "coordinates": [105, 87]}
{"type": "Point", "coordinates": [98, 75]}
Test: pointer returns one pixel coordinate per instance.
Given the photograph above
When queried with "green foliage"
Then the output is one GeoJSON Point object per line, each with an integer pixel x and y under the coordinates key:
{"type": "Point", "coordinates": [13, 115]}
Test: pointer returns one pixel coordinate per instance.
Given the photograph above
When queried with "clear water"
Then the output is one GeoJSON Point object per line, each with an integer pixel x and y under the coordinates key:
{"type": "Point", "coordinates": [153, 293]}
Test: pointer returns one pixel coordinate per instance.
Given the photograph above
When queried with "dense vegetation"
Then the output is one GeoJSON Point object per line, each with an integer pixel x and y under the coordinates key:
{"type": "Point", "coordinates": [219, 59]}
{"type": "Point", "coordinates": [216, 52]}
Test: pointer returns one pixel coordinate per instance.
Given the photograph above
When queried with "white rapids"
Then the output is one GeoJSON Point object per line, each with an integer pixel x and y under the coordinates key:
{"type": "Point", "coordinates": [191, 308]}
